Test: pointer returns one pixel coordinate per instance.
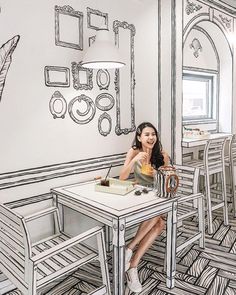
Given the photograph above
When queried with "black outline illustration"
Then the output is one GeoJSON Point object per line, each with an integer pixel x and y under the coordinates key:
{"type": "Point", "coordinates": [101, 85]}
{"type": "Point", "coordinates": [55, 97]}
{"type": "Point", "coordinates": [6, 52]}
{"type": "Point", "coordinates": [104, 116]}
{"type": "Point", "coordinates": [116, 25]}
{"type": "Point", "coordinates": [68, 10]}
{"type": "Point", "coordinates": [100, 97]}
{"type": "Point", "coordinates": [90, 108]}
{"type": "Point", "coordinates": [48, 69]}
{"type": "Point", "coordinates": [196, 46]}
{"type": "Point", "coordinates": [76, 68]}
{"type": "Point", "coordinates": [91, 40]}
{"type": "Point", "coordinates": [104, 16]}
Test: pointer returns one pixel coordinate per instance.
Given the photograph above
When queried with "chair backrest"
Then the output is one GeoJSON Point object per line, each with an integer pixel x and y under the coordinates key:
{"type": "Point", "coordinates": [214, 155]}
{"type": "Point", "coordinates": [188, 179]}
{"type": "Point", "coordinates": [232, 150]}
{"type": "Point", "coordinates": [14, 243]}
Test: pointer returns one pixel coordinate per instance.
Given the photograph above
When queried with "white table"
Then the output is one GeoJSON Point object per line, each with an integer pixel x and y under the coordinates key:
{"type": "Point", "coordinates": [195, 142]}
{"type": "Point", "coordinates": [120, 212]}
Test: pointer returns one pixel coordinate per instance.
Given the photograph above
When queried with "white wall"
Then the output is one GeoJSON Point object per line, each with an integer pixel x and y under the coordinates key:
{"type": "Point", "coordinates": [30, 137]}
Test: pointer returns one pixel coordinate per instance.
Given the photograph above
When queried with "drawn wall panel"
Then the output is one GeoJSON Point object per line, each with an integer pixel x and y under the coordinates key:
{"type": "Point", "coordinates": [125, 95]}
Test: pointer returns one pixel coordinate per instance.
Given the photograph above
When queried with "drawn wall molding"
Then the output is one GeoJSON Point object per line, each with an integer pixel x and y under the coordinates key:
{"type": "Point", "coordinates": [104, 116]}
{"type": "Point", "coordinates": [118, 129]}
{"type": "Point", "coordinates": [96, 19]}
{"type": "Point", "coordinates": [63, 19]}
{"type": "Point", "coordinates": [77, 73]}
{"type": "Point", "coordinates": [226, 21]}
{"type": "Point", "coordinates": [191, 7]}
{"type": "Point", "coordinates": [6, 52]}
{"type": "Point", "coordinates": [91, 40]}
{"type": "Point", "coordinates": [56, 76]}
{"type": "Point", "coordinates": [49, 172]}
{"type": "Point", "coordinates": [196, 46]}
{"type": "Point", "coordinates": [78, 116]}
{"type": "Point", "coordinates": [103, 79]}
{"type": "Point", "coordinates": [104, 96]}
{"type": "Point", "coordinates": [58, 105]}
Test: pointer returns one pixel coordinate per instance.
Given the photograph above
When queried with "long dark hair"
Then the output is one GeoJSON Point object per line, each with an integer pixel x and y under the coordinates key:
{"type": "Point", "coordinates": [157, 158]}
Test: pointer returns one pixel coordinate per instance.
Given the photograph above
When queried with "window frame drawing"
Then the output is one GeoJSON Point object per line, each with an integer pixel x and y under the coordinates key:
{"type": "Point", "coordinates": [103, 15]}
{"type": "Point", "coordinates": [49, 83]}
{"type": "Point", "coordinates": [76, 69]}
{"type": "Point", "coordinates": [124, 25]}
{"type": "Point", "coordinates": [68, 10]}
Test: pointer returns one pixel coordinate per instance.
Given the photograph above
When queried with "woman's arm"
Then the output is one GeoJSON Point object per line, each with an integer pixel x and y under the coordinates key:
{"type": "Point", "coordinates": [131, 157]}
{"type": "Point", "coordinates": [166, 158]}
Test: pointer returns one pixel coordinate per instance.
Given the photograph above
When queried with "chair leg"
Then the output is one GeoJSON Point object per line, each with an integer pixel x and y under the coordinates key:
{"type": "Point", "coordinates": [209, 207]}
{"type": "Point", "coordinates": [201, 221]}
{"type": "Point", "coordinates": [103, 261]}
{"type": "Point", "coordinates": [224, 194]}
{"type": "Point", "coordinates": [232, 188]}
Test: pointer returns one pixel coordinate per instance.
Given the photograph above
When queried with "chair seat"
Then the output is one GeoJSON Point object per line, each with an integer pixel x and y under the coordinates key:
{"type": "Point", "coordinates": [56, 263]}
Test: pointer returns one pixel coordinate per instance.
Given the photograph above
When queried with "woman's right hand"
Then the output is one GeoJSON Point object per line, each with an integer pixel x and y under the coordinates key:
{"type": "Point", "coordinates": [141, 156]}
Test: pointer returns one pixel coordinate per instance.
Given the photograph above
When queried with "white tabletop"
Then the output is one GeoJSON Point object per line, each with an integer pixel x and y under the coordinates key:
{"type": "Point", "coordinates": [117, 205]}
{"type": "Point", "coordinates": [194, 142]}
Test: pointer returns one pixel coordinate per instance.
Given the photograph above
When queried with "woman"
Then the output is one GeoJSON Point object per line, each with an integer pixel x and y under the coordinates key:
{"type": "Point", "coordinates": [146, 149]}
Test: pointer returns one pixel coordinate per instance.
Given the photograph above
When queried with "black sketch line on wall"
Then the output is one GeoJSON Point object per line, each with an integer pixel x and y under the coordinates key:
{"type": "Point", "coordinates": [56, 76]}
{"type": "Point", "coordinates": [124, 25]}
{"type": "Point", "coordinates": [6, 52]}
{"type": "Point", "coordinates": [58, 105]}
{"type": "Point", "coordinates": [103, 79]}
{"type": "Point", "coordinates": [91, 40]}
{"type": "Point", "coordinates": [82, 77]}
{"type": "Point", "coordinates": [196, 46]}
{"type": "Point", "coordinates": [104, 96]}
{"type": "Point", "coordinates": [191, 7]}
{"type": "Point", "coordinates": [96, 19]}
{"type": "Point", "coordinates": [104, 116]}
{"type": "Point", "coordinates": [226, 22]}
{"type": "Point", "coordinates": [81, 116]}
{"type": "Point", "coordinates": [67, 20]}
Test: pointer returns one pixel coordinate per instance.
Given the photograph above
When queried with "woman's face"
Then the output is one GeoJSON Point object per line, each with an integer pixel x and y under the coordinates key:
{"type": "Point", "coordinates": [148, 138]}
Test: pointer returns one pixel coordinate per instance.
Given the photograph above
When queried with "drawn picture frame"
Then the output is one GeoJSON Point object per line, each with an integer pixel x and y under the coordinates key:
{"type": "Point", "coordinates": [56, 76]}
{"type": "Point", "coordinates": [104, 116]}
{"type": "Point", "coordinates": [99, 78]}
{"type": "Point", "coordinates": [96, 19]}
{"type": "Point", "coordinates": [68, 20]}
{"type": "Point", "coordinates": [79, 74]}
{"type": "Point", "coordinates": [119, 129]}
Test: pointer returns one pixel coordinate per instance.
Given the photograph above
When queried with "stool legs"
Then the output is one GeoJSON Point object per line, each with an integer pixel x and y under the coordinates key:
{"type": "Point", "coordinates": [209, 206]}
{"type": "Point", "coordinates": [224, 195]}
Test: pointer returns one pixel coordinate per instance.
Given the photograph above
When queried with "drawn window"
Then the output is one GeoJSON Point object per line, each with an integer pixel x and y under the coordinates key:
{"type": "Point", "coordinates": [199, 96]}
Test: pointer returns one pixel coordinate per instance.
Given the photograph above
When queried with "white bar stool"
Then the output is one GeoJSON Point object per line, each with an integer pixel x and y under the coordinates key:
{"type": "Point", "coordinates": [213, 163]}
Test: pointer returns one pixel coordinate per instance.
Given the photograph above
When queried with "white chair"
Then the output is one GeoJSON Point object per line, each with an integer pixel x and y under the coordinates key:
{"type": "Point", "coordinates": [190, 204]}
{"type": "Point", "coordinates": [32, 265]}
{"type": "Point", "coordinates": [213, 164]}
{"type": "Point", "coordinates": [230, 162]}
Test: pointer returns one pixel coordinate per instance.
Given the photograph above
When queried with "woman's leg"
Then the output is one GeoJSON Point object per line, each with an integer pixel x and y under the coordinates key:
{"type": "Point", "coordinates": [147, 240]}
{"type": "Point", "coordinates": [143, 229]}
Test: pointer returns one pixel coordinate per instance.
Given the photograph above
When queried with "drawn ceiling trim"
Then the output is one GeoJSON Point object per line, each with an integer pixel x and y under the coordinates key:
{"type": "Point", "coordinates": [6, 52]}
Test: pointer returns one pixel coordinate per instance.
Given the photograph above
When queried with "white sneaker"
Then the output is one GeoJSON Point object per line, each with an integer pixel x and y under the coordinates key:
{"type": "Point", "coordinates": [128, 255]}
{"type": "Point", "coordinates": [133, 280]}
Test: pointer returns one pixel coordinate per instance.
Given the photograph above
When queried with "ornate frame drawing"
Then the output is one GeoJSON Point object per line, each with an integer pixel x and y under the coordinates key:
{"type": "Point", "coordinates": [116, 25]}
{"type": "Point", "coordinates": [107, 117]}
{"type": "Point", "coordinates": [50, 83]}
{"type": "Point", "coordinates": [104, 18]}
{"type": "Point", "coordinates": [57, 96]}
{"type": "Point", "coordinates": [91, 40]}
{"type": "Point", "coordinates": [107, 107]}
{"type": "Point", "coordinates": [76, 69]}
{"type": "Point", "coordinates": [90, 108]}
{"type": "Point", "coordinates": [99, 80]}
{"type": "Point", "coordinates": [68, 11]}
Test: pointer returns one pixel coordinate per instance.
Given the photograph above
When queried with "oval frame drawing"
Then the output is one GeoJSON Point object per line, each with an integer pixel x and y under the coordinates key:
{"type": "Point", "coordinates": [90, 108]}
{"type": "Point", "coordinates": [101, 85]}
{"type": "Point", "coordinates": [100, 97]}
{"type": "Point", "coordinates": [104, 116]}
{"type": "Point", "coordinates": [57, 96]}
